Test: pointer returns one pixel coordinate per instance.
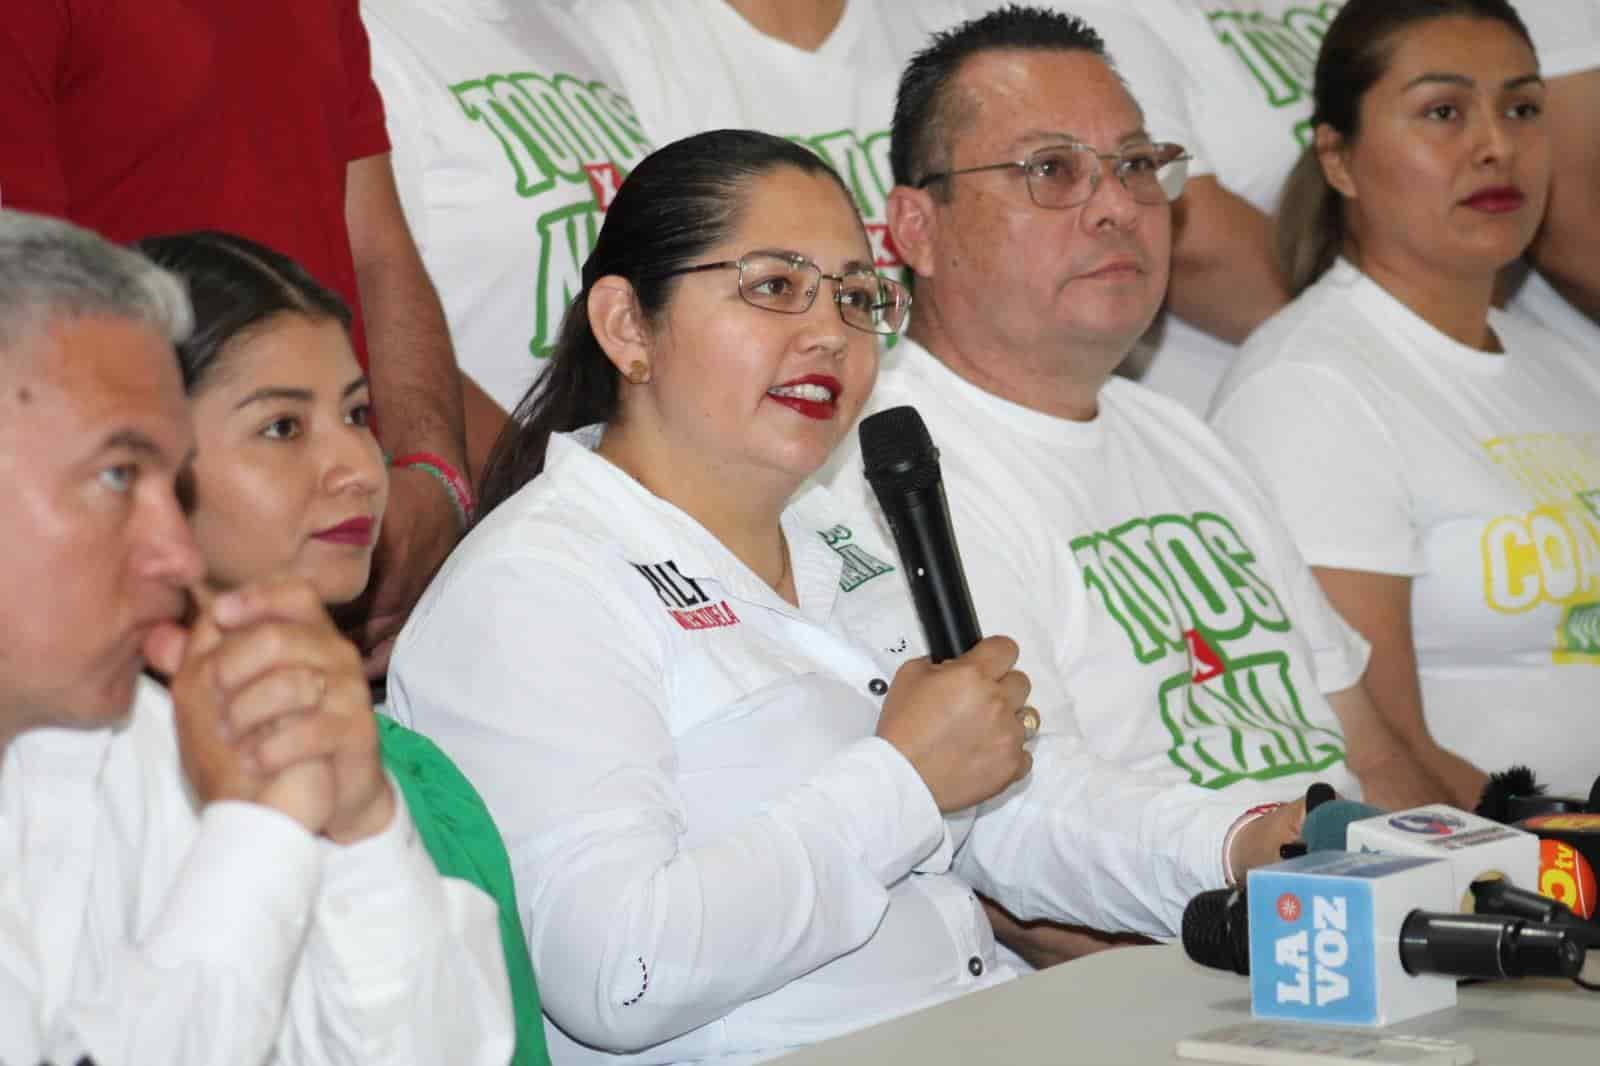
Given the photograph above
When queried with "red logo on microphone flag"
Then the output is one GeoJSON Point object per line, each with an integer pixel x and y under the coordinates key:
{"type": "Point", "coordinates": [1289, 908]}
{"type": "Point", "coordinates": [1204, 661]}
{"type": "Point", "coordinates": [604, 181]}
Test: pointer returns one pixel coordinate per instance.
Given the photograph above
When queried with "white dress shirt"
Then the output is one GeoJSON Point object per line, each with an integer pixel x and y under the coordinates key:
{"type": "Point", "coordinates": [716, 857]}
{"type": "Point", "coordinates": [134, 929]}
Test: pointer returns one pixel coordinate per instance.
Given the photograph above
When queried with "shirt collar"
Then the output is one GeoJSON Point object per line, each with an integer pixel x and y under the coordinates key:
{"type": "Point", "coordinates": [646, 527]}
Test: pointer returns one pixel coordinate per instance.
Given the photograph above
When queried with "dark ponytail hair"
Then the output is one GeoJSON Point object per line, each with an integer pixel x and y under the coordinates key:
{"type": "Point", "coordinates": [678, 202]}
{"type": "Point", "coordinates": [235, 285]}
{"type": "Point", "coordinates": [1309, 234]}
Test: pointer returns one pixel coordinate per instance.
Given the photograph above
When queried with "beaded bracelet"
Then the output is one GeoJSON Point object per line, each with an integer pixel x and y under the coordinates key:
{"type": "Point", "coordinates": [456, 486]}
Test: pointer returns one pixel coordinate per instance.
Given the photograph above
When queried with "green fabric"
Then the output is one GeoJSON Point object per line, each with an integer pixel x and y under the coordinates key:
{"type": "Point", "coordinates": [461, 837]}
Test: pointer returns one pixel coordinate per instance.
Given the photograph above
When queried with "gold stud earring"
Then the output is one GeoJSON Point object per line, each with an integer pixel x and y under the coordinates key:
{"type": "Point", "coordinates": [638, 372]}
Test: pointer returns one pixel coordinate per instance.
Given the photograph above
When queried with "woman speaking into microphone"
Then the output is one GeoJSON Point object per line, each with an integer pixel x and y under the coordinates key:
{"type": "Point", "coordinates": [683, 677]}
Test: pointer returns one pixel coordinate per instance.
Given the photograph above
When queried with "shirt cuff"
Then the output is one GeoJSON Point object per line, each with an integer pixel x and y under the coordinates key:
{"type": "Point", "coordinates": [1204, 847]}
{"type": "Point", "coordinates": [381, 905]}
{"type": "Point", "coordinates": [957, 828]}
{"type": "Point", "coordinates": [243, 896]}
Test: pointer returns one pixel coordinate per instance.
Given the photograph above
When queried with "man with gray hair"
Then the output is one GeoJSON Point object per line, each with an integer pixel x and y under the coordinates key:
{"type": "Point", "coordinates": [219, 875]}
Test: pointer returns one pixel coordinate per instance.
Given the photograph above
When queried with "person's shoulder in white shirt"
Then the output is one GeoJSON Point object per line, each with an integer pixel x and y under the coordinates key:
{"type": "Point", "coordinates": [156, 930]}
{"type": "Point", "coordinates": [223, 874]}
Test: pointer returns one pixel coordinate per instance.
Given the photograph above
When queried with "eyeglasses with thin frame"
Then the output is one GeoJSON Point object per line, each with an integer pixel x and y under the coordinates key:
{"type": "Point", "coordinates": [1066, 175]}
{"type": "Point", "coordinates": [788, 284]}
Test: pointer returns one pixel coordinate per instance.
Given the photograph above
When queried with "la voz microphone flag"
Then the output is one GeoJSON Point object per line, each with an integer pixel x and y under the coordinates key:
{"type": "Point", "coordinates": [1324, 938]}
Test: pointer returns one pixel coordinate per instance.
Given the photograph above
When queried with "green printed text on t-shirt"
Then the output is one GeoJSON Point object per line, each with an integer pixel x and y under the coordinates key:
{"type": "Point", "coordinates": [1279, 52]}
{"type": "Point", "coordinates": [1186, 591]}
{"type": "Point", "coordinates": [568, 145]}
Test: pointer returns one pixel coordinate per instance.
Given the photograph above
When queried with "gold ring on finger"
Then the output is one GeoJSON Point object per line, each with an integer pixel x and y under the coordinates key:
{"type": "Point", "coordinates": [1030, 722]}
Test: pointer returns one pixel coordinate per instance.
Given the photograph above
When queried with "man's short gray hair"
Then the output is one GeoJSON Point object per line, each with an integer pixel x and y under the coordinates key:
{"type": "Point", "coordinates": [50, 270]}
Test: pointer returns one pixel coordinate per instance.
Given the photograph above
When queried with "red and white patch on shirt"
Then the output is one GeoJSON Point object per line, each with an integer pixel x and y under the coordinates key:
{"type": "Point", "coordinates": [604, 181]}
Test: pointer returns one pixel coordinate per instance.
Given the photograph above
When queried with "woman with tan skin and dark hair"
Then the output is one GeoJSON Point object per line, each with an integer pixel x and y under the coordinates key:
{"type": "Point", "coordinates": [1435, 458]}
{"type": "Point", "coordinates": [685, 678]}
{"type": "Point", "coordinates": [288, 479]}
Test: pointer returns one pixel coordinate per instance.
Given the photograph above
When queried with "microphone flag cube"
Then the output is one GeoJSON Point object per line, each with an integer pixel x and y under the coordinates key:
{"type": "Point", "coordinates": [1475, 847]}
{"type": "Point", "coordinates": [1325, 938]}
{"type": "Point", "coordinates": [1570, 846]}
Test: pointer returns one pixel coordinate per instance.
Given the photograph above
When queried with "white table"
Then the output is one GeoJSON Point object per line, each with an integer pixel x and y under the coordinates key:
{"type": "Point", "coordinates": [1132, 1005]}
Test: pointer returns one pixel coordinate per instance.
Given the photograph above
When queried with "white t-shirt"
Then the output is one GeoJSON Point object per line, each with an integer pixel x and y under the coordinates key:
{"type": "Point", "coordinates": [1247, 69]}
{"type": "Point", "coordinates": [694, 65]}
{"type": "Point", "coordinates": [1393, 449]}
{"type": "Point", "coordinates": [136, 929]}
{"type": "Point", "coordinates": [1178, 647]}
{"type": "Point", "coordinates": [714, 853]}
{"type": "Point", "coordinates": [510, 138]}
{"type": "Point", "coordinates": [1537, 298]}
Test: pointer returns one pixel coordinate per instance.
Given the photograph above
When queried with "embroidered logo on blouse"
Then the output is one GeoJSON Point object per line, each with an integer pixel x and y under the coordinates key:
{"type": "Point", "coordinates": [859, 566]}
{"type": "Point", "coordinates": [684, 599]}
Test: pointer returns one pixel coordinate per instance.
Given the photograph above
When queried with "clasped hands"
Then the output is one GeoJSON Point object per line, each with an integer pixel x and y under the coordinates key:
{"type": "Point", "coordinates": [272, 707]}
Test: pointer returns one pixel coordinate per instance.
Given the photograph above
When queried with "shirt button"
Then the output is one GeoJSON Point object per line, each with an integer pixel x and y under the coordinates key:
{"type": "Point", "coordinates": [975, 966]}
{"type": "Point", "coordinates": [877, 686]}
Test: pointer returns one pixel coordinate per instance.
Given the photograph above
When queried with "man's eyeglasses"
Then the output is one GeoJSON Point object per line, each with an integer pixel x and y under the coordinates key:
{"type": "Point", "coordinates": [1066, 175]}
{"type": "Point", "coordinates": [788, 284]}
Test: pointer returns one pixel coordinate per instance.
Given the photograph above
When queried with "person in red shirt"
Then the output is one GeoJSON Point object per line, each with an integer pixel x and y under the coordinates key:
{"type": "Point", "coordinates": [263, 120]}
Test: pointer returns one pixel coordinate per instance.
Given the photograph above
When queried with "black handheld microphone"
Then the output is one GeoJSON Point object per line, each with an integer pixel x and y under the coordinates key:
{"type": "Point", "coordinates": [902, 466]}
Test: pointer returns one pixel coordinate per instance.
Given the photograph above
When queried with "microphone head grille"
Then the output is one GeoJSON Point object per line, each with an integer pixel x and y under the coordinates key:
{"type": "Point", "coordinates": [1214, 933]}
{"type": "Point", "coordinates": [897, 450]}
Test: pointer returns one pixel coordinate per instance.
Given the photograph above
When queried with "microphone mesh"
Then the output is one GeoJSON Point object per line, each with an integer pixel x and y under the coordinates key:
{"type": "Point", "coordinates": [897, 451]}
{"type": "Point", "coordinates": [1210, 936]}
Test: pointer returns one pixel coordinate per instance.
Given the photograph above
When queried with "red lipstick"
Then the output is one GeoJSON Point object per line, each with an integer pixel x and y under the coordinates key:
{"type": "Point", "coordinates": [812, 406]}
{"type": "Point", "coordinates": [1498, 200]}
{"type": "Point", "coordinates": [353, 531]}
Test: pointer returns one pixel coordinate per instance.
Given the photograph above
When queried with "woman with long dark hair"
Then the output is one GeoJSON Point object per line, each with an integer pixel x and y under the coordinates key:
{"type": "Point", "coordinates": [1436, 458]}
{"type": "Point", "coordinates": [288, 479]}
{"type": "Point", "coordinates": [666, 659]}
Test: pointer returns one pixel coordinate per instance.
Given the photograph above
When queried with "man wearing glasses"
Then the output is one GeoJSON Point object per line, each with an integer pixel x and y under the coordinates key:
{"type": "Point", "coordinates": [1187, 670]}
